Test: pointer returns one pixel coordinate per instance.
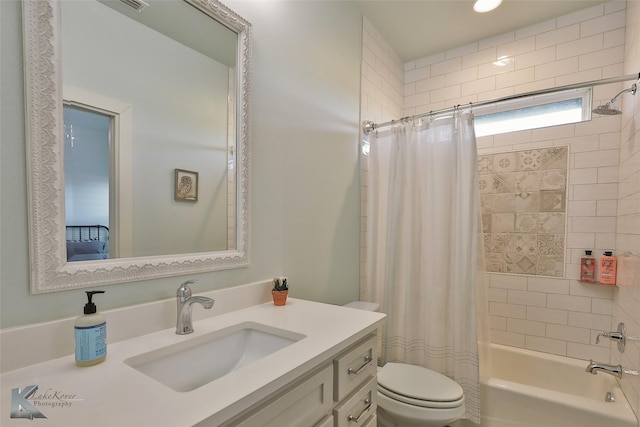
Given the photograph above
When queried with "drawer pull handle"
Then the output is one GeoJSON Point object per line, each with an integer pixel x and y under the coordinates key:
{"type": "Point", "coordinates": [367, 360]}
{"type": "Point", "coordinates": [367, 402]}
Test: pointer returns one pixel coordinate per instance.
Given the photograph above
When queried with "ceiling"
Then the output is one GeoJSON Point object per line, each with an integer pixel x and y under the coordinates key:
{"type": "Point", "coordinates": [420, 28]}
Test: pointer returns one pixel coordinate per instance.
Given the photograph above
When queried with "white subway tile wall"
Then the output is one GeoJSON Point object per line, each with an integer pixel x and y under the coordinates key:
{"type": "Point", "coordinates": [626, 302]}
{"type": "Point", "coordinates": [381, 100]}
{"type": "Point", "coordinates": [552, 314]}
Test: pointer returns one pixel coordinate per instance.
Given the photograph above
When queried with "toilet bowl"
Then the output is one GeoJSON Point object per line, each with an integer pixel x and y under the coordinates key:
{"type": "Point", "coordinates": [414, 396]}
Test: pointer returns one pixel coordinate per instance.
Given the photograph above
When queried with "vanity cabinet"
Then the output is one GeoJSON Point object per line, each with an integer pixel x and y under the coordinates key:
{"type": "Point", "coordinates": [359, 407]}
{"type": "Point", "coordinates": [326, 422]}
{"type": "Point", "coordinates": [339, 392]}
{"type": "Point", "coordinates": [324, 377]}
{"type": "Point", "coordinates": [353, 367]}
{"type": "Point", "coordinates": [355, 384]}
{"type": "Point", "coordinates": [302, 405]}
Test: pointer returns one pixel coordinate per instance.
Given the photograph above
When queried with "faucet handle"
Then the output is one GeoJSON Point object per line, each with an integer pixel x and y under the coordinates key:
{"type": "Point", "coordinates": [602, 334]}
{"type": "Point", "coordinates": [613, 336]}
{"type": "Point", "coordinates": [184, 291]}
{"type": "Point", "coordinates": [620, 335]}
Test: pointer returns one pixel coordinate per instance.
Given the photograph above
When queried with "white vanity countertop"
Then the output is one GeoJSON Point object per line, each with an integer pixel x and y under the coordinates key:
{"type": "Point", "coordinates": [115, 394]}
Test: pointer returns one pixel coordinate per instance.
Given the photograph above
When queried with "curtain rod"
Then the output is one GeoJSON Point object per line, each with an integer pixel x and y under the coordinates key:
{"type": "Point", "coordinates": [369, 126]}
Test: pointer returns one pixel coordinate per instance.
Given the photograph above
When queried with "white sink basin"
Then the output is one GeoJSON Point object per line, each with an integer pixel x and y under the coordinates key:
{"type": "Point", "coordinates": [198, 361]}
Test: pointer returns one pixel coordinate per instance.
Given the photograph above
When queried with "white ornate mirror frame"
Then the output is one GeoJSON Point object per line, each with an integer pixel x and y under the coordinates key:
{"type": "Point", "coordinates": [50, 271]}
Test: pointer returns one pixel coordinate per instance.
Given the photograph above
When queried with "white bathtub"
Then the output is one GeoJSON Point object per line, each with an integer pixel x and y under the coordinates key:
{"type": "Point", "coordinates": [534, 389]}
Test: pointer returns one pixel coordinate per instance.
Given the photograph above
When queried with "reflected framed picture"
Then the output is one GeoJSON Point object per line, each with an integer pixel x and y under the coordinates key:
{"type": "Point", "coordinates": [186, 185]}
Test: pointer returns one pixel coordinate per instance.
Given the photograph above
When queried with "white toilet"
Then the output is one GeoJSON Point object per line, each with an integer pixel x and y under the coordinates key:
{"type": "Point", "coordinates": [414, 396]}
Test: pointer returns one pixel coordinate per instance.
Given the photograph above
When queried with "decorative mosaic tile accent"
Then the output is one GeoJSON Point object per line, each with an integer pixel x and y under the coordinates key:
{"type": "Point", "coordinates": [526, 223]}
{"type": "Point", "coordinates": [523, 201]}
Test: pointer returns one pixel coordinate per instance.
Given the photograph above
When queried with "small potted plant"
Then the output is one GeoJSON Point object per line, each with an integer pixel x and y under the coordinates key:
{"type": "Point", "coordinates": [280, 290]}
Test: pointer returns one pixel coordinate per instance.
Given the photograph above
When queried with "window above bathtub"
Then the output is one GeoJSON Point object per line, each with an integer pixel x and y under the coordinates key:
{"type": "Point", "coordinates": [533, 112]}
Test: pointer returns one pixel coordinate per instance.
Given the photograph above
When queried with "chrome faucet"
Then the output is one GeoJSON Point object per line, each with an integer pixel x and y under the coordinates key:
{"type": "Point", "coordinates": [620, 336]}
{"type": "Point", "coordinates": [615, 370]}
{"type": "Point", "coordinates": [184, 300]}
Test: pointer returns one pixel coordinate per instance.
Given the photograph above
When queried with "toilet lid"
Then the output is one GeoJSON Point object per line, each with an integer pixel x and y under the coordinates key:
{"type": "Point", "coordinates": [418, 383]}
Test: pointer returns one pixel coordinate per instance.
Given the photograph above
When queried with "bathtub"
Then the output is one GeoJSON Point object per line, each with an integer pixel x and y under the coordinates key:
{"type": "Point", "coordinates": [533, 389]}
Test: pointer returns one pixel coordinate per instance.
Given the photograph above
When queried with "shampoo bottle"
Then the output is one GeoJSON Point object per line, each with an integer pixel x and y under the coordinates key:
{"type": "Point", "coordinates": [588, 268]}
{"type": "Point", "coordinates": [91, 334]}
{"type": "Point", "coordinates": [608, 269]}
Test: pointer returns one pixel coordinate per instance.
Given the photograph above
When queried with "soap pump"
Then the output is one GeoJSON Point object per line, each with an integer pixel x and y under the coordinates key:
{"type": "Point", "coordinates": [608, 269]}
{"type": "Point", "coordinates": [588, 268]}
{"type": "Point", "coordinates": [90, 332]}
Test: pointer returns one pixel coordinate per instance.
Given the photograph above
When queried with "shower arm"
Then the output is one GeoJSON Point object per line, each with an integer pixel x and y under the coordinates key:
{"type": "Point", "coordinates": [632, 89]}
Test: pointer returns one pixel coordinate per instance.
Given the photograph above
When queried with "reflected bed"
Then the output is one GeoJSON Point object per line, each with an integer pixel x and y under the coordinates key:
{"type": "Point", "coordinates": [87, 242]}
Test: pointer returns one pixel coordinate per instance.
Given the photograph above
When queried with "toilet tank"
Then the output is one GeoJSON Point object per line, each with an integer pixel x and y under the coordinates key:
{"type": "Point", "coordinates": [363, 305]}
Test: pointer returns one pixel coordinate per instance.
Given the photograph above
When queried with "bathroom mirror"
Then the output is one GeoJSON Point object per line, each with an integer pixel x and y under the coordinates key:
{"type": "Point", "coordinates": [143, 188]}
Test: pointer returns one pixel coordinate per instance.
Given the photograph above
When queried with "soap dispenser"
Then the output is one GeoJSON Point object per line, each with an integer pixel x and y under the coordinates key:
{"type": "Point", "coordinates": [588, 268]}
{"type": "Point", "coordinates": [608, 269]}
{"type": "Point", "coordinates": [91, 334]}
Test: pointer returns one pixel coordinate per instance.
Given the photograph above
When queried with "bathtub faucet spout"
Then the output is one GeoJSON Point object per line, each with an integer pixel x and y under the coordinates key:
{"type": "Point", "coordinates": [594, 367]}
{"type": "Point", "coordinates": [615, 370]}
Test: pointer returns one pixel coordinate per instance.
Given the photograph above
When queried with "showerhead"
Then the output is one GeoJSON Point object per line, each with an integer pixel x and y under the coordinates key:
{"type": "Point", "coordinates": [610, 108]}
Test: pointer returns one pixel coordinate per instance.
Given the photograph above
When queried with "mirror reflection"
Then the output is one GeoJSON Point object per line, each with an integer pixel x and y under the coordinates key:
{"type": "Point", "coordinates": [137, 140]}
{"type": "Point", "coordinates": [144, 99]}
{"type": "Point", "coordinates": [87, 159]}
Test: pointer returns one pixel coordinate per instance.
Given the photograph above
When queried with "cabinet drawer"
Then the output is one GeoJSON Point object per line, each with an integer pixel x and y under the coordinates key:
{"type": "Point", "coordinates": [358, 408]}
{"type": "Point", "coordinates": [371, 422]}
{"type": "Point", "coordinates": [328, 422]}
{"type": "Point", "coordinates": [303, 405]}
{"type": "Point", "coordinates": [354, 367]}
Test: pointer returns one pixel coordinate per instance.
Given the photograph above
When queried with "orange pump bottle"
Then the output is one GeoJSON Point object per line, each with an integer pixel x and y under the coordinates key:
{"type": "Point", "coordinates": [608, 266]}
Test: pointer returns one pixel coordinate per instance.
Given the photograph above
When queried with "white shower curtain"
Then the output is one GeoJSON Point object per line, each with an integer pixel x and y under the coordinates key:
{"type": "Point", "coordinates": [422, 247]}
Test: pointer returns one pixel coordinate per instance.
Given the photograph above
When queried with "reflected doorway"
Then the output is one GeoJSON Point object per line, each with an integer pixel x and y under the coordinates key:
{"type": "Point", "coordinates": [88, 186]}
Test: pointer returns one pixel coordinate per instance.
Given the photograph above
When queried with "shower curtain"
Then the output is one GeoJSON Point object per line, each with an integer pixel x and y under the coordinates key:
{"type": "Point", "coordinates": [423, 231]}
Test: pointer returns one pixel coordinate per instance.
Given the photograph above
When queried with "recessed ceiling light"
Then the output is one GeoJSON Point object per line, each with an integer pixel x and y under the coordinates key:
{"type": "Point", "coordinates": [482, 6]}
